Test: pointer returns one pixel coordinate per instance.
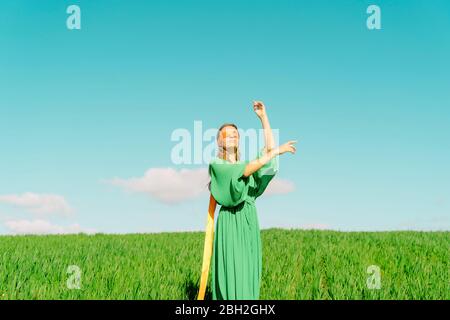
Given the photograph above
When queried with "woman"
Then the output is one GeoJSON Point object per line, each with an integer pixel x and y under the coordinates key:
{"type": "Point", "coordinates": [235, 184]}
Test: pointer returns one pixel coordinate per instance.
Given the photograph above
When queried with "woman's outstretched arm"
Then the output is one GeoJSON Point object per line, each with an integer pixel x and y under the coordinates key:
{"type": "Point", "coordinates": [257, 164]}
{"type": "Point", "coordinates": [260, 110]}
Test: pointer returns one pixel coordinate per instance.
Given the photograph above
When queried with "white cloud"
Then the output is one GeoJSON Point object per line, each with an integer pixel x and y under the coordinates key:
{"type": "Point", "coordinates": [167, 185]}
{"type": "Point", "coordinates": [174, 186]}
{"type": "Point", "coordinates": [43, 227]}
{"type": "Point", "coordinates": [279, 186]}
{"type": "Point", "coordinates": [39, 204]}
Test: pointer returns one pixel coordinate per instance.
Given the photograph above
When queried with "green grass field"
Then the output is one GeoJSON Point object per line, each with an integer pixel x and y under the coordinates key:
{"type": "Point", "coordinates": [297, 264]}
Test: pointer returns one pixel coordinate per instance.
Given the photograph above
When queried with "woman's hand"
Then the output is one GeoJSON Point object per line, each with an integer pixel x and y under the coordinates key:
{"type": "Point", "coordinates": [260, 109]}
{"type": "Point", "coordinates": [287, 147]}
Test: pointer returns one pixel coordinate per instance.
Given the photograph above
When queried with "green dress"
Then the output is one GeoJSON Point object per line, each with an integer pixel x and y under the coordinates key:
{"type": "Point", "coordinates": [237, 253]}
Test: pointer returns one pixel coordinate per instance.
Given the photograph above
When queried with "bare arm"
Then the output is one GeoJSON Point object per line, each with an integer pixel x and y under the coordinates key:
{"type": "Point", "coordinates": [270, 151]}
{"type": "Point", "coordinates": [258, 163]}
{"type": "Point", "coordinates": [260, 111]}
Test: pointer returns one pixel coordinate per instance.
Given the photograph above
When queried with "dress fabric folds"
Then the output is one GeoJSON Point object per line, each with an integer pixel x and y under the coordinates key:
{"type": "Point", "coordinates": [237, 251]}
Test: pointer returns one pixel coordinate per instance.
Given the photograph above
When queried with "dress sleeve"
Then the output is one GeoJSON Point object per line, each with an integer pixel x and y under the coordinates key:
{"type": "Point", "coordinates": [228, 185]}
{"type": "Point", "coordinates": [265, 174]}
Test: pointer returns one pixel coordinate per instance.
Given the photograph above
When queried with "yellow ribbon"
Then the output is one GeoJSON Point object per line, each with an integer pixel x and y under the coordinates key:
{"type": "Point", "coordinates": [207, 250]}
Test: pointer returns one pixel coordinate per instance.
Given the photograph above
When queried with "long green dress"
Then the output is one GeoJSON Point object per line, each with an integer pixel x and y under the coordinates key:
{"type": "Point", "coordinates": [237, 253]}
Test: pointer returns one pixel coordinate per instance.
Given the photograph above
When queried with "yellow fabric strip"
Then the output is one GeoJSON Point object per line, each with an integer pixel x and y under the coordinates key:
{"type": "Point", "coordinates": [207, 251]}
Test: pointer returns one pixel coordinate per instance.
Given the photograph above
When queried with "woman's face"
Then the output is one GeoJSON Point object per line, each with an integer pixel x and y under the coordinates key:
{"type": "Point", "coordinates": [229, 137]}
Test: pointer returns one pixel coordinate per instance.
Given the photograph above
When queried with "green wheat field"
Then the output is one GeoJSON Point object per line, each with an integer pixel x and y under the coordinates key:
{"type": "Point", "coordinates": [297, 264]}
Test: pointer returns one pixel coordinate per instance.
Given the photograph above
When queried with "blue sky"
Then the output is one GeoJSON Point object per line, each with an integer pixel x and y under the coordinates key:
{"type": "Point", "coordinates": [370, 109]}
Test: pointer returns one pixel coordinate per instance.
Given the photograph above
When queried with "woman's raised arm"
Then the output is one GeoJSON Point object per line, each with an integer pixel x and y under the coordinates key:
{"type": "Point", "coordinates": [260, 110]}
